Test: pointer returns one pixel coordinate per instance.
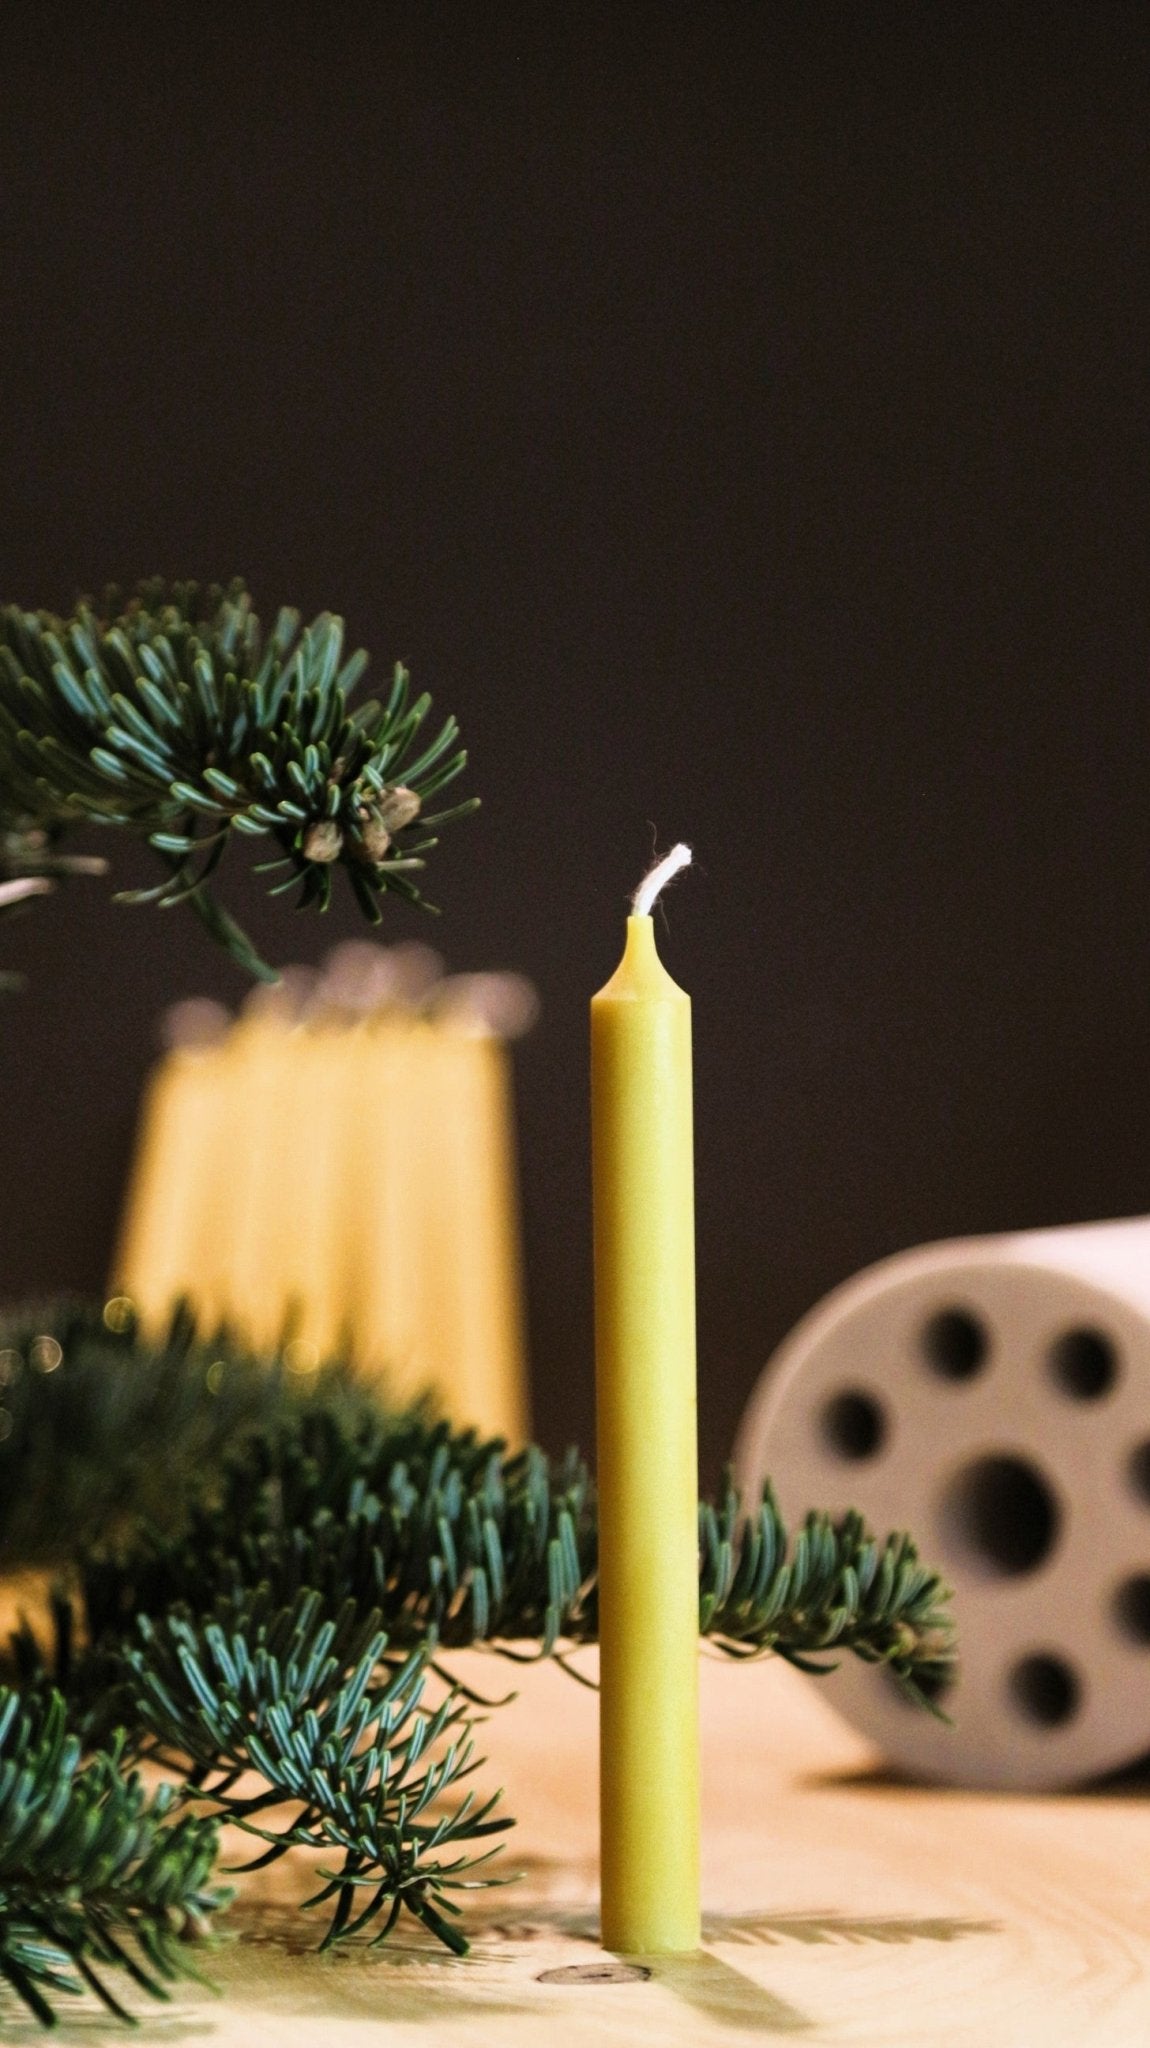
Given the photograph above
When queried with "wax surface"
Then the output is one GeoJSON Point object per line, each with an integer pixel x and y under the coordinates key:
{"type": "Point", "coordinates": [356, 1176]}
{"type": "Point", "coordinates": [167, 1233]}
{"type": "Point", "coordinates": [647, 1455]}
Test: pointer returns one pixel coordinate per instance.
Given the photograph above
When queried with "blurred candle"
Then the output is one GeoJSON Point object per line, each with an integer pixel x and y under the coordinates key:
{"type": "Point", "coordinates": [269, 1162]}
{"type": "Point", "coordinates": [392, 1280]}
{"type": "Point", "coordinates": [647, 1455]}
{"type": "Point", "coordinates": [168, 1232]}
{"type": "Point", "coordinates": [341, 1164]}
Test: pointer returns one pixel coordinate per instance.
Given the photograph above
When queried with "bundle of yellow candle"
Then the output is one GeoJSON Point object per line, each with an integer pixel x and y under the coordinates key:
{"type": "Point", "coordinates": [339, 1163]}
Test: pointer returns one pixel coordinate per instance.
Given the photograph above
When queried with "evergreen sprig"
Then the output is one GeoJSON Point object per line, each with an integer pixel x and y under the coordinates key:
{"type": "Point", "coordinates": [95, 1874]}
{"type": "Point", "coordinates": [173, 716]}
{"type": "Point", "coordinates": [305, 1703]}
{"type": "Point", "coordinates": [833, 1587]}
{"type": "Point", "coordinates": [268, 1639]}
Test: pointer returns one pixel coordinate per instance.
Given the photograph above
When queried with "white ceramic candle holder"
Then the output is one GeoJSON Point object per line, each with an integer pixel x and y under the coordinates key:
{"type": "Point", "coordinates": [992, 1395]}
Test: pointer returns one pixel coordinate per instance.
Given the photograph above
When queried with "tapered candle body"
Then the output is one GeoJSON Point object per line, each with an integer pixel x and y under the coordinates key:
{"type": "Point", "coordinates": [647, 1454]}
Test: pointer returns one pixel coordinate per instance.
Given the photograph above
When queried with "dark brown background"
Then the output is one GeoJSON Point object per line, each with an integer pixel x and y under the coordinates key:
{"type": "Point", "coordinates": [738, 416]}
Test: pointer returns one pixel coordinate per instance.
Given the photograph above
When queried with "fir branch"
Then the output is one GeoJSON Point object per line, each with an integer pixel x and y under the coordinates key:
{"type": "Point", "coordinates": [95, 1876]}
{"type": "Point", "coordinates": [445, 1534]}
{"type": "Point", "coordinates": [458, 1544]}
{"type": "Point", "coordinates": [305, 1705]}
{"type": "Point", "coordinates": [207, 1472]}
{"type": "Point", "coordinates": [831, 1587]}
{"type": "Point", "coordinates": [102, 1429]}
{"type": "Point", "coordinates": [174, 717]}
{"type": "Point", "coordinates": [282, 1622]}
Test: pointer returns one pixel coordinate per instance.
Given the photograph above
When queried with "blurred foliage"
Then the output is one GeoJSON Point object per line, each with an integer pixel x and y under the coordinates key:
{"type": "Point", "coordinates": [102, 1430]}
{"type": "Point", "coordinates": [269, 1576]}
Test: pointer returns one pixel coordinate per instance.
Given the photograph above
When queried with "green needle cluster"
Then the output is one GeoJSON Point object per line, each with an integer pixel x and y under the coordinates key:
{"type": "Point", "coordinates": [175, 718]}
{"type": "Point", "coordinates": [277, 1632]}
{"type": "Point", "coordinates": [458, 1543]}
{"type": "Point", "coordinates": [95, 1874]}
{"type": "Point", "coordinates": [304, 1703]}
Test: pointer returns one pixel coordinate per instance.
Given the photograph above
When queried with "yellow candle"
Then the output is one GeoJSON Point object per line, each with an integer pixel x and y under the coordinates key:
{"type": "Point", "coordinates": [391, 1280]}
{"type": "Point", "coordinates": [269, 1161]}
{"type": "Point", "coordinates": [647, 1455]}
{"type": "Point", "coordinates": [437, 1302]}
{"type": "Point", "coordinates": [168, 1247]}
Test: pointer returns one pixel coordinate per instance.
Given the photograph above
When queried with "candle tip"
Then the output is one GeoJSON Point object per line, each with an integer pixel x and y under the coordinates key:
{"type": "Point", "coordinates": [657, 879]}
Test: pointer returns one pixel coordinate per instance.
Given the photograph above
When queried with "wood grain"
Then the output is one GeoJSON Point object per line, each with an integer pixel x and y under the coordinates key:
{"type": "Point", "coordinates": [840, 1908]}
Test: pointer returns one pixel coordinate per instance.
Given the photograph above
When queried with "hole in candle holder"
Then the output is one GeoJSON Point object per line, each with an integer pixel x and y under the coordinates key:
{"type": "Point", "coordinates": [1084, 1364]}
{"type": "Point", "coordinates": [955, 1344]}
{"type": "Point", "coordinates": [1132, 1608]}
{"type": "Point", "coordinates": [999, 1514]}
{"type": "Point", "coordinates": [853, 1424]}
{"type": "Point", "coordinates": [1046, 1690]}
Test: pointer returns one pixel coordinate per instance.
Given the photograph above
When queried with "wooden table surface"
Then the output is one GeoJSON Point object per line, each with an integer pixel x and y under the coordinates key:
{"type": "Point", "coordinates": [839, 1907]}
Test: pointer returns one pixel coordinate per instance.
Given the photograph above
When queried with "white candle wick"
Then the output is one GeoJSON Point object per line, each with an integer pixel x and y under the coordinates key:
{"type": "Point", "coordinates": [656, 881]}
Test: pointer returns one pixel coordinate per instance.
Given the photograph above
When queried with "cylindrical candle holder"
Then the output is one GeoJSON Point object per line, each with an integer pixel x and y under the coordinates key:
{"type": "Point", "coordinates": [993, 1396]}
